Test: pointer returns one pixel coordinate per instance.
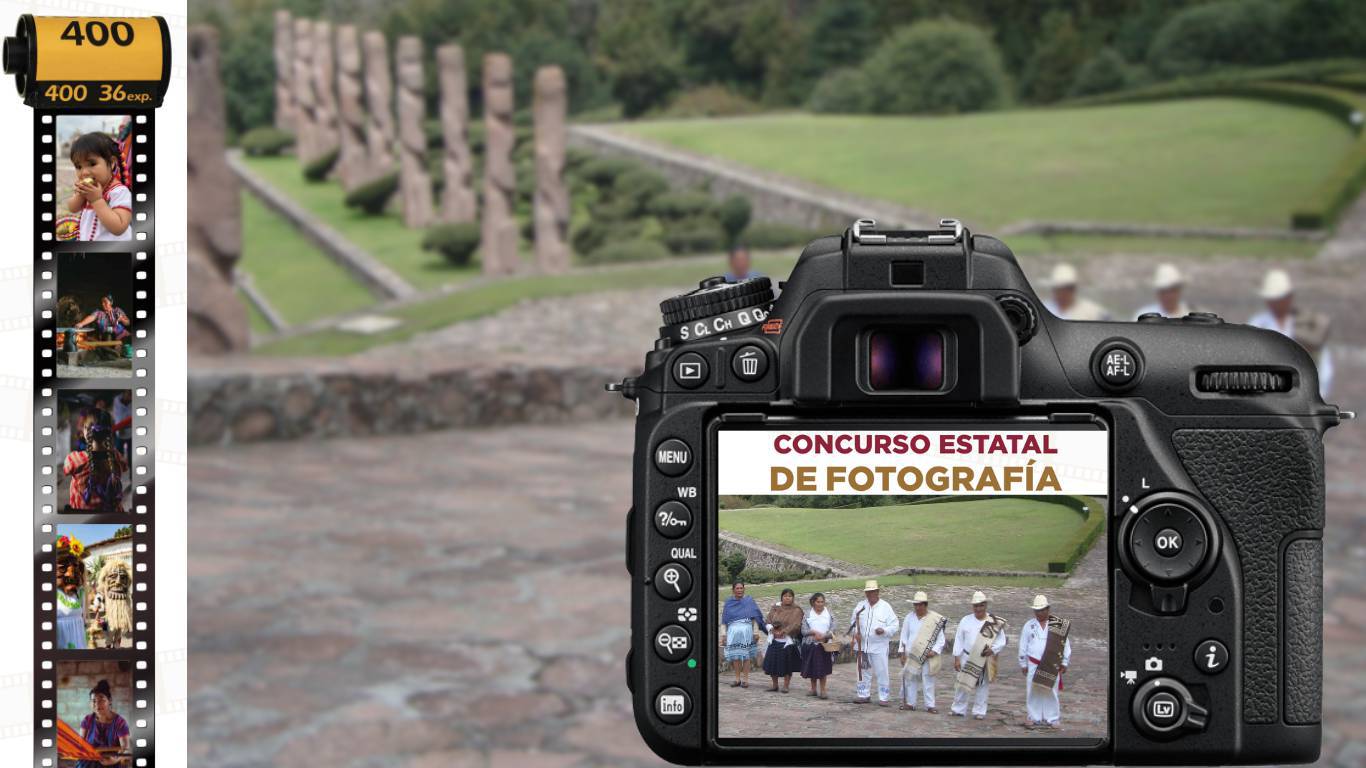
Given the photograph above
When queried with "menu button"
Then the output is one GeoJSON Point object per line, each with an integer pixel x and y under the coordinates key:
{"type": "Point", "coordinates": [673, 457]}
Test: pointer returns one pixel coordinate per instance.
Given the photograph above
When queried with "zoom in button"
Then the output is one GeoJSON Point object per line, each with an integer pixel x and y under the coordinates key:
{"type": "Point", "coordinates": [672, 581]}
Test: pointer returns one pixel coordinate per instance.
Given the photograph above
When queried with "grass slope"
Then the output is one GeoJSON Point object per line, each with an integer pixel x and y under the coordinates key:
{"type": "Point", "coordinates": [295, 277]}
{"type": "Point", "coordinates": [996, 533]}
{"type": "Point", "coordinates": [762, 592]}
{"type": "Point", "coordinates": [383, 237]}
{"type": "Point", "coordinates": [1215, 162]}
{"type": "Point", "coordinates": [486, 299]}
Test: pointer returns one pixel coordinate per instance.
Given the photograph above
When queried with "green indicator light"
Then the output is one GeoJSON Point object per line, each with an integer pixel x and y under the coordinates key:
{"type": "Point", "coordinates": [692, 663]}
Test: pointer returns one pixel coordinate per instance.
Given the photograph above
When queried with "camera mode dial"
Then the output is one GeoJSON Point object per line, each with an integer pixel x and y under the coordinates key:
{"type": "Point", "coordinates": [716, 308]}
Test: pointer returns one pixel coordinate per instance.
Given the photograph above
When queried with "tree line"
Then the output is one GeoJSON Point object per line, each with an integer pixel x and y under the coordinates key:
{"type": "Point", "coordinates": [703, 57]}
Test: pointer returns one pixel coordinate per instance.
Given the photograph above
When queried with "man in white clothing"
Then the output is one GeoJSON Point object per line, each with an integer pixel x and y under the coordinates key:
{"type": "Point", "coordinates": [969, 630]}
{"type": "Point", "coordinates": [1039, 656]}
{"type": "Point", "coordinates": [1168, 284]}
{"type": "Point", "coordinates": [922, 639]}
{"type": "Point", "coordinates": [1310, 329]}
{"type": "Point", "coordinates": [1066, 302]}
{"type": "Point", "coordinates": [873, 626]}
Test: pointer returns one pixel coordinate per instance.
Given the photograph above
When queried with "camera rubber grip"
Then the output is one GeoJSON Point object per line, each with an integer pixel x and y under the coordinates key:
{"type": "Point", "coordinates": [1266, 484]}
{"type": "Point", "coordinates": [1303, 649]}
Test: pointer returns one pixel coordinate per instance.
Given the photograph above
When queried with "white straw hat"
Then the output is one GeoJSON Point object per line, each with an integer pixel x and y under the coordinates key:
{"type": "Point", "coordinates": [1276, 285]}
{"type": "Point", "coordinates": [1063, 275]}
{"type": "Point", "coordinates": [1040, 603]}
{"type": "Point", "coordinates": [920, 597]}
{"type": "Point", "coordinates": [978, 597]}
{"type": "Point", "coordinates": [1167, 276]}
{"type": "Point", "coordinates": [870, 585]}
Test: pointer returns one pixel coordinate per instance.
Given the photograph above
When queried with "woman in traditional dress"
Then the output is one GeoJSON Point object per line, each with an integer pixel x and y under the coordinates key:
{"type": "Point", "coordinates": [104, 728]}
{"type": "Point", "coordinates": [737, 622]}
{"type": "Point", "coordinates": [784, 625]}
{"type": "Point", "coordinates": [818, 627]}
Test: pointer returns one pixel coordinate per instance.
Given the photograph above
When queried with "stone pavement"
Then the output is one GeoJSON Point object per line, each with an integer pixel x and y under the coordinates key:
{"type": "Point", "coordinates": [459, 598]}
{"type": "Point", "coordinates": [1083, 598]}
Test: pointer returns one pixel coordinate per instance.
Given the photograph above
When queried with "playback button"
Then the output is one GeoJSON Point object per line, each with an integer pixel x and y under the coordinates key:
{"type": "Point", "coordinates": [690, 370]}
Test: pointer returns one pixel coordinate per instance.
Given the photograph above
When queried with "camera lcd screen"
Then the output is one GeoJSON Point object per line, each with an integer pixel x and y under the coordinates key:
{"type": "Point", "coordinates": [906, 359]}
{"type": "Point", "coordinates": [956, 574]}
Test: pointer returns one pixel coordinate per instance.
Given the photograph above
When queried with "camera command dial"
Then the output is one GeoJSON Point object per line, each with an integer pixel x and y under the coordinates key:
{"type": "Point", "coordinates": [716, 308]}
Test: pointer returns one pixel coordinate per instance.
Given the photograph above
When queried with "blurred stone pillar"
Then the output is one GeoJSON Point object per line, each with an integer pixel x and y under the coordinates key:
{"type": "Point", "coordinates": [498, 235]}
{"type": "Point", "coordinates": [325, 138]}
{"type": "Point", "coordinates": [415, 186]}
{"type": "Point", "coordinates": [284, 71]}
{"type": "Point", "coordinates": [550, 206]}
{"type": "Point", "coordinates": [457, 196]}
{"type": "Point", "coordinates": [305, 141]}
{"type": "Point", "coordinates": [217, 318]}
{"type": "Point", "coordinates": [379, 106]}
{"type": "Point", "coordinates": [352, 163]}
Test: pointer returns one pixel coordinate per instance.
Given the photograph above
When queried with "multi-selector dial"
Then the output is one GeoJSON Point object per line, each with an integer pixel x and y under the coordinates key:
{"type": "Point", "coordinates": [716, 308]}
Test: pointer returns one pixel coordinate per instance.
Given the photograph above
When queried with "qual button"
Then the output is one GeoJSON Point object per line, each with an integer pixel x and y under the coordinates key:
{"type": "Point", "coordinates": [672, 581]}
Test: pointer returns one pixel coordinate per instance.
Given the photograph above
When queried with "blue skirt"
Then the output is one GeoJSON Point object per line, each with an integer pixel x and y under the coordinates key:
{"type": "Point", "coordinates": [740, 642]}
{"type": "Point", "coordinates": [71, 632]}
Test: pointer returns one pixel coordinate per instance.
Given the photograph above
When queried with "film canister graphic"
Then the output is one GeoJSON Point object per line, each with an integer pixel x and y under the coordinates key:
{"type": "Point", "coordinates": [94, 84]}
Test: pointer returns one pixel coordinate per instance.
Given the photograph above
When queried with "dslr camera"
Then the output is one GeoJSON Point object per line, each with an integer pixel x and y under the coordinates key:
{"type": "Point", "coordinates": [1130, 514]}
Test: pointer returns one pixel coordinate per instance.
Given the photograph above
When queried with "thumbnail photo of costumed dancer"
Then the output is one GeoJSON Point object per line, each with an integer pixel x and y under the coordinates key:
{"type": "Point", "coordinates": [94, 588]}
{"type": "Point", "coordinates": [99, 204]}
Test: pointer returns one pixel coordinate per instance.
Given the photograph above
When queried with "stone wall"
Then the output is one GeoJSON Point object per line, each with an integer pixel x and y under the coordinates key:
{"type": "Point", "coordinates": [76, 678]}
{"type": "Point", "coordinates": [244, 399]}
{"type": "Point", "coordinates": [764, 555]}
{"type": "Point", "coordinates": [774, 198]}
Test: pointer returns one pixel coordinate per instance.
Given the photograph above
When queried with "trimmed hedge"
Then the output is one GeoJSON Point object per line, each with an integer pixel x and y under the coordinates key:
{"type": "Point", "coordinates": [265, 141]}
{"type": "Point", "coordinates": [1323, 206]}
{"type": "Point", "coordinates": [1215, 34]}
{"type": "Point", "coordinates": [734, 213]}
{"type": "Point", "coordinates": [372, 196]}
{"type": "Point", "coordinates": [318, 169]}
{"type": "Point", "coordinates": [847, 91]}
{"type": "Point", "coordinates": [937, 66]}
{"type": "Point", "coordinates": [455, 242]}
{"type": "Point", "coordinates": [627, 250]}
{"type": "Point", "coordinates": [1081, 541]}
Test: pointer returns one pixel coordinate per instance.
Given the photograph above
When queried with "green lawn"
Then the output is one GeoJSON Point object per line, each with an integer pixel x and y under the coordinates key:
{"type": "Point", "coordinates": [299, 280]}
{"type": "Point", "coordinates": [1217, 161]}
{"type": "Point", "coordinates": [383, 237]}
{"type": "Point", "coordinates": [480, 300]}
{"type": "Point", "coordinates": [1084, 246]}
{"type": "Point", "coordinates": [762, 592]}
{"type": "Point", "coordinates": [1000, 533]}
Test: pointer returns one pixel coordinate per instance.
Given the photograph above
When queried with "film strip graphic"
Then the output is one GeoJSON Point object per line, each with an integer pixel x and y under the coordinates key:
{"type": "Point", "coordinates": [94, 84]}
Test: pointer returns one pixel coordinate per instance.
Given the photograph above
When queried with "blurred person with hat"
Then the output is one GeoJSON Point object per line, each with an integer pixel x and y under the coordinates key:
{"type": "Point", "coordinates": [980, 637]}
{"type": "Point", "coordinates": [1169, 284]}
{"type": "Point", "coordinates": [1045, 653]}
{"type": "Point", "coordinates": [873, 624]}
{"type": "Point", "coordinates": [922, 640]}
{"type": "Point", "coordinates": [1066, 303]}
{"type": "Point", "coordinates": [1308, 328]}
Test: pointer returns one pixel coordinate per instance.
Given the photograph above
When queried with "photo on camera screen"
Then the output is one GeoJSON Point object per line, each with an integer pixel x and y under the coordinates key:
{"type": "Point", "coordinates": [912, 584]}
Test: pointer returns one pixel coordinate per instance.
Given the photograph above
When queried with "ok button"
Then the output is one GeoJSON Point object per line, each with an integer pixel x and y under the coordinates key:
{"type": "Point", "coordinates": [1167, 542]}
